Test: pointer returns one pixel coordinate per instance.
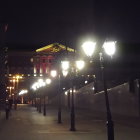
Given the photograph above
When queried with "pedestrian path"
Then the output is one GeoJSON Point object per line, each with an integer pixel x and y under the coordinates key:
{"type": "Point", "coordinates": [26, 123]}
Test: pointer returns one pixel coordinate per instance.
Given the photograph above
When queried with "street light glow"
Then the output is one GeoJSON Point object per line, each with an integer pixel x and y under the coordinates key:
{"type": "Point", "coordinates": [65, 65]}
{"type": "Point", "coordinates": [41, 82]}
{"type": "Point", "coordinates": [109, 47]}
{"type": "Point", "coordinates": [86, 82]}
{"type": "Point", "coordinates": [53, 73]}
{"type": "Point", "coordinates": [89, 48]}
{"type": "Point", "coordinates": [66, 93]}
{"type": "Point", "coordinates": [80, 64]}
{"type": "Point", "coordinates": [23, 92]}
{"type": "Point", "coordinates": [35, 86]}
{"type": "Point", "coordinates": [48, 81]}
{"type": "Point", "coordinates": [65, 73]}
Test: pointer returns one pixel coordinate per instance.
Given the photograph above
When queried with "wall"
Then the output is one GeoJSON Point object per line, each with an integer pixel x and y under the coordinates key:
{"type": "Point", "coordinates": [122, 101]}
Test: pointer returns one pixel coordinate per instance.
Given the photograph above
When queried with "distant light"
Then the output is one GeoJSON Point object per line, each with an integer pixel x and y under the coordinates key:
{"type": "Point", "coordinates": [10, 74]}
{"type": "Point", "coordinates": [35, 86]}
{"type": "Point", "coordinates": [48, 81]}
{"type": "Point", "coordinates": [86, 82]}
{"type": "Point", "coordinates": [41, 75]}
{"type": "Point", "coordinates": [66, 93]}
{"type": "Point", "coordinates": [70, 90]}
{"type": "Point", "coordinates": [53, 73]}
{"type": "Point", "coordinates": [23, 92]}
{"type": "Point", "coordinates": [74, 90]}
{"type": "Point", "coordinates": [31, 59]}
{"type": "Point", "coordinates": [65, 73]}
{"type": "Point", "coordinates": [40, 80]}
{"type": "Point", "coordinates": [29, 75]}
{"type": "Point", "coordinates": [80, 64]}
{"type": "Point", "coordinates": [65, 65]}
{"type": "Point", "coordinates": [41, 83]}
{"type": "Point", "coordinates": [93, 88]}
{"type": "Point", "coordinates": [64, 88]}
{"type": "Point", "coordinates": [34, 74]}
{"type": "Point", "coordinates": [109, 47]}
{"type": "Point", "coordinates": [89, 48]}
{"type": "Point", "coordinates": [17, 76]}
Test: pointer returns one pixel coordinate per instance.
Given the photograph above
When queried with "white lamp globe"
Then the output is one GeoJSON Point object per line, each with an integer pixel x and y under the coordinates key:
{"type": "Point", "coordinates": [89, 48]}
{"type": "Point", "coordinates": [65, 73]}
{"type": "Point", "coordinates": [80, 64]}
{"type": "Point", "coordinates": [109, 47]}
{"type": "Point", "coordinates": [65, 65]}
{"type": "Point", "coordinates": [48, 81]}
{"type": "Point", "coordinates": [53, 73]}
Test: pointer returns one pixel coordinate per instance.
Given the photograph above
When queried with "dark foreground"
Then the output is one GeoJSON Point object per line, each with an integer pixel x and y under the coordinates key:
{"type": "Point", "coordinates": [26, 123]}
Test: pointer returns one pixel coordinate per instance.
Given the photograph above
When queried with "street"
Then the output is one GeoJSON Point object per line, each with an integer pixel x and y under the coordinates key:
{"type": "Point", "coordinates": [26, 123]}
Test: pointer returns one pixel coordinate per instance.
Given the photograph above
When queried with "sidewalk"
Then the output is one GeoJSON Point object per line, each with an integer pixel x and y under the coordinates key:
{"type": "Point", "coordinates": [87, 116]}
{"type": "Point", "coordinates": [32, 125]}
{"type": "Point", "coordinates": [116, 118]}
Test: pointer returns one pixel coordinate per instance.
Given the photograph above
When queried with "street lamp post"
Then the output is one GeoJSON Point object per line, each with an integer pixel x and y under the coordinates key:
{"type": "Point", "coordinates": [40, 103]}
{"type": "Point", "coordinates": [53, 74]}
{"type": "Point", "coordinates": [109, 48]}
{"type": "Point", "coordinates": [44, 113]}
{"type": "Point", "coordinates": [59, 100]}
{"type": "Point", "coordinates": [109, 123]}
{"type": "Point", "coordinates": [65, 66]}
{"type": "Point", "coordinates": [72, 128]}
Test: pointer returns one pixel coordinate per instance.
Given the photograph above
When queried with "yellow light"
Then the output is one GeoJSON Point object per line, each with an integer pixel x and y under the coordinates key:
{"type": "Point", "coordinates": [17, 76]}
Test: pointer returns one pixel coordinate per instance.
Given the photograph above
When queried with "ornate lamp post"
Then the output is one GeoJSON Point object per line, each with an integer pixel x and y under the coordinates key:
{"type": "Point", "coordinates": [78, 65]}
{"type": "Point", "coordinates": [109, 49]}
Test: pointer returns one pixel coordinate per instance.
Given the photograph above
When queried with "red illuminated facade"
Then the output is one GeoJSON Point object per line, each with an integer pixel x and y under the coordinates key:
{"type": "Point", "coordinates": [42, 64]}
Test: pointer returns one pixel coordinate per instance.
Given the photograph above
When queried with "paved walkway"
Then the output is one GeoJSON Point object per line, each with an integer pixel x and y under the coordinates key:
{"type": "Point", "coordinates": [26, 123]}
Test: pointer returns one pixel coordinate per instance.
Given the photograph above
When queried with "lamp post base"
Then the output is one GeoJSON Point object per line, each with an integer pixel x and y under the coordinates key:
{"type": "Point", "coordinates": [59, 117]}
{"type": "Point", "coordinates": [44, 113]}
{"type": "Point", "coordinates": [110, 130]}
{"type": "Point", "coordinates": [72, 120]}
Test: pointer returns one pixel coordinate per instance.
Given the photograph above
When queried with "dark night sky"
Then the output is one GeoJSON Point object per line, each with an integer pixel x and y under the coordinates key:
{"type": "Point", "coordinates": [35, 24]}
